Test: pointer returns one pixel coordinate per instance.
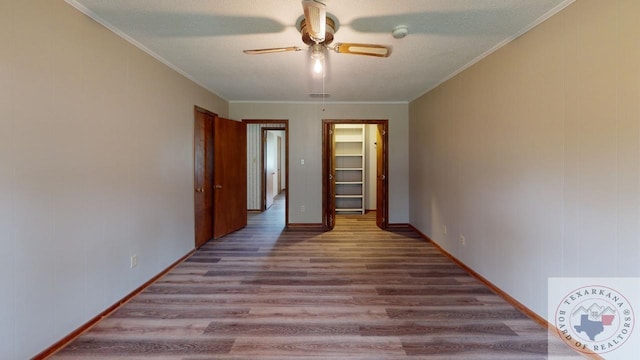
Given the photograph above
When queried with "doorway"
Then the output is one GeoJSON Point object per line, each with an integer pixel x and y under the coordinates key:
{"type": "Point", "coordinates": [329, 164]}
{"type": "Point", "coordinates": [268, 166]}
{"type": "Point", "coordinates": [272, 160]}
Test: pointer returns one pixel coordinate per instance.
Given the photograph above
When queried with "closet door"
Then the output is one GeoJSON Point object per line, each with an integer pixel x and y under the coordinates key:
{"type": "Point", "coordinates": [382, 197]}
{"type": "Point", "coordinates": [329, 172]}
{"type": "Point", "coordinates": [203, 177]}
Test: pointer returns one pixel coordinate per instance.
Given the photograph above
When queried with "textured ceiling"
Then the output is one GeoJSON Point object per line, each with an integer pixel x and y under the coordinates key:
{"type": "Point", "coordinates": [204, 39]}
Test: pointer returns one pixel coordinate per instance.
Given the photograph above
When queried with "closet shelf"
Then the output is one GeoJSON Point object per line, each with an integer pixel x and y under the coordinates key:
{"type": "Point", "coordinates": [349, 168]}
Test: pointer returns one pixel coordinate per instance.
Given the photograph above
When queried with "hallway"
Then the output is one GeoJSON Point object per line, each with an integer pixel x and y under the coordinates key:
{"type": "Point", "coordinates": [353, 293]}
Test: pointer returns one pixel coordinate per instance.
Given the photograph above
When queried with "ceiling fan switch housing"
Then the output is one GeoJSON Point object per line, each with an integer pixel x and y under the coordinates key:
{"type": "Point", "coordinates": [328, 36]}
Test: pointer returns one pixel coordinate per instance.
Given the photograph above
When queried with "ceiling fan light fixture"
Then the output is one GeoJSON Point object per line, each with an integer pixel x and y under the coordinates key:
{"type": "Point", "coordinates": [317, 59]}
{"type": "Point", "coordinates": [317, 66]}
{"type": "Point", "coordinates": [315, 13]}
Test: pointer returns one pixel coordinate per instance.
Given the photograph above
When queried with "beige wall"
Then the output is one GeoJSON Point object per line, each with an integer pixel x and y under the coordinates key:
{"type": "Point", "coordinates": [96, 154]}
{"type": "Point", "coordinates": [533, 154]}
{"type": "Point", "coordinates": [305, 142]}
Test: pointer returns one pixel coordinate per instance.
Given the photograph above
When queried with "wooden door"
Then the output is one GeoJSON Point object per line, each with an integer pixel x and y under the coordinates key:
{"type": "Point", "coordinates": [203, 176]}
{"type": "Point", "coordinates": [329, 174]}
{"type": "Point", "coordinates": [382, 212]}
{"type": "Point", "coordinates": [229, 176]}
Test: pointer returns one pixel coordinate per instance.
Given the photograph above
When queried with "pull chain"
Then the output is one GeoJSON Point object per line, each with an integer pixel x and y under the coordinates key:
{"type": "Point", "coordinates": [324, 94]}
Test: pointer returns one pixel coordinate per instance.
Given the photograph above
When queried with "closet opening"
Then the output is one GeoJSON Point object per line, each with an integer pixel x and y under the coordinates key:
{"type": "Point", "coordinates": [354, 170]}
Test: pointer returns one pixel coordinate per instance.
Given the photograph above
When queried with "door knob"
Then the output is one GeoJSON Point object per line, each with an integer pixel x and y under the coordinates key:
{"type": "Point", "coordinates": [218, 186]}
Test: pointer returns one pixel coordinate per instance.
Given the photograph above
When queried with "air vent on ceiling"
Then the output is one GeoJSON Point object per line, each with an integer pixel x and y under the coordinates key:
{"type": "Point", "coordinates": [319, 95]}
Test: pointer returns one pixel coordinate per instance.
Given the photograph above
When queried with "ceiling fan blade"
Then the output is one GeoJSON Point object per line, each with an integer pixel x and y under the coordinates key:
{"type": "Point", "coordinates": [315, 14]}
{"type": "Point", "coordinates": [271, 50]}
{"type": "Point", "coordinates": [362, 49]}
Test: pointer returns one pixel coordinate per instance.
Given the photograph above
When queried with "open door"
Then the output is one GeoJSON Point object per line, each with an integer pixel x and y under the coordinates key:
{"type": "Point", "coordinates": [203, 175]}
{"type": "Point", "coordinates": [329, 174]}
{"type": "Point", "coordinates": [382, 209]}
{"type": "Point", "coordinates": [229, 176]}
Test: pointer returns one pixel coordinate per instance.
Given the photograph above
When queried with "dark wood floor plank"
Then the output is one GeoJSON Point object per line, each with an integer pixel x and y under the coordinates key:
{"type": "Point", "coordinates": [326, 347]}
{"type": "Point", "coordinates": [440, 346]}
{"type": "Point", "coordinates": [440, 330]}
{"type": "Point", "coordinates": [281, 329]}
{"type": "Point", "coordinates": [106, 348]}
{"type": "Point", "coordinates": [173, 289]}
{"type": "Point", "coordinates": [149, 329]}
{"type": "Point", "coordinates": [455, 314]}
{"type": "Point", "coordinates": [434, 290]}
{"type": "Point", "coordinates": [266, 273]}
{"type": "Point", "coordinates": [205, 311]}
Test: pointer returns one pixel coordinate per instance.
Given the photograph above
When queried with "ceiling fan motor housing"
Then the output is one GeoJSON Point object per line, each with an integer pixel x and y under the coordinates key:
{"type": "Point", "coordinates": [328, 38]}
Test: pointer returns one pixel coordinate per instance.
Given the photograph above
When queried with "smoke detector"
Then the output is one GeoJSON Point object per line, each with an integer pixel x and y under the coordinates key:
{"type": "Point", "coordinates": [400, 31]}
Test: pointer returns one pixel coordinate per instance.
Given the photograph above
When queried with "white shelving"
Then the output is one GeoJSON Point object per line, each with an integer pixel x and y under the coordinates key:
{"type": "Point", "coordinates": [350, 166]}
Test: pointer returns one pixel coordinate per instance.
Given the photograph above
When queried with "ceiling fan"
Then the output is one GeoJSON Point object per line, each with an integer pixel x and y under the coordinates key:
{"type": "Point", "coordinates": [317, 31]}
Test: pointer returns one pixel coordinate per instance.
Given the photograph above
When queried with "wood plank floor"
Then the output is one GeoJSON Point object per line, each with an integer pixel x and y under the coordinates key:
{"type": "Point", "coordinates": [353, 293]}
